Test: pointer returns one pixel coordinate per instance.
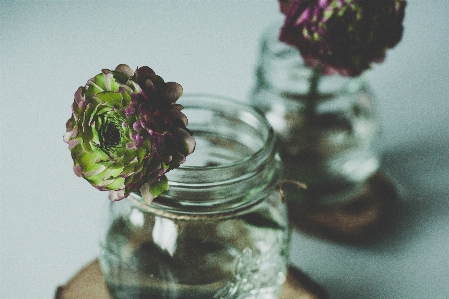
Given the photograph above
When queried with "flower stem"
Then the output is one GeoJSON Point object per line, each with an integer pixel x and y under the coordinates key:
{"type": "Point", "coordinates": [312, 96]}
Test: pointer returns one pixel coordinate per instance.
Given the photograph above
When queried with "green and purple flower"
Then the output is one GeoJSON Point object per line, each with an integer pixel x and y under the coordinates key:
{"type": "Point", "coordinates": [126, 131]}
{"type": "Point", "coordinates": [342, 36]}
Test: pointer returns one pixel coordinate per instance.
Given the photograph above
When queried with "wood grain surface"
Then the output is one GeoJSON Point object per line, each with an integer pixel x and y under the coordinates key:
{"type": "Point", "coordinates": [357, 222]}
{"type": "Point", "coordinates": [89, 283]}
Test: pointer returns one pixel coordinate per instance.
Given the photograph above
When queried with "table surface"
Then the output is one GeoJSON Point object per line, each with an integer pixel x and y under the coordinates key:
{"type": "Point", "coordinates": [52, 221]}
{"type": "Point", "coordinates": [88, 282]}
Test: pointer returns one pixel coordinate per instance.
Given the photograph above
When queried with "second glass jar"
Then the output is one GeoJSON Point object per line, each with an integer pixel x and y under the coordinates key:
{"type": "Point", "coordinates": [326, 125]}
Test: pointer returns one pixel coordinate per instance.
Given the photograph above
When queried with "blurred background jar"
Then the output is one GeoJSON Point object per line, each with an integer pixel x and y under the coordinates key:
{"type": "Point", "coordinates": [220, 231]}
{"type": "Point", "coordinates": [326, 125]}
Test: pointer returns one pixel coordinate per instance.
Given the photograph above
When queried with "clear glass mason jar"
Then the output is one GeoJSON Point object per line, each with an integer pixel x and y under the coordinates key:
{"type": "Point", "coordinates": [220, 231]}
{"type": "Point", "coordinates": [326, 125]}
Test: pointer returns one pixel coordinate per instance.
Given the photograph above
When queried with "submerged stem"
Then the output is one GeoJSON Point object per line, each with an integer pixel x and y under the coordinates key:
{"type": "Point", "coordinates": [312, 96]}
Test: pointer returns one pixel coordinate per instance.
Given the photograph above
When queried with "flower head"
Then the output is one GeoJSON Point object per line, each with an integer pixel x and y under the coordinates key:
{"type": "Point", "coordinates": [126, 132]}
{"type": "Point", "coordinates": [342, 36]}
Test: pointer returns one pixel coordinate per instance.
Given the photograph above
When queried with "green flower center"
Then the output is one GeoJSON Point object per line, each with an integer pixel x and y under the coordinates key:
{"type": "Point", "coordinates": [110, 135]}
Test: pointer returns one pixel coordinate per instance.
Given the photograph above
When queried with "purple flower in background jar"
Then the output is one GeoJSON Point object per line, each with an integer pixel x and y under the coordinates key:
{"type": "Point", "coordinates": [342, 36]}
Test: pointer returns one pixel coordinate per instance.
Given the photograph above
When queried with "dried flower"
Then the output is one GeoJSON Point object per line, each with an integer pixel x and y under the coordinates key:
{"type": "Point", "coordinates": [126, 132]}
{"type": "Point", "coordinates": [342, 36]}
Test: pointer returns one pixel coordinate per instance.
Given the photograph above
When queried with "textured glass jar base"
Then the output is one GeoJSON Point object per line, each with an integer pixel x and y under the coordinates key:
{"type": "Point", "coordinates": [191, 293]}
{"type": "Point", "coordinates": [241, 257]}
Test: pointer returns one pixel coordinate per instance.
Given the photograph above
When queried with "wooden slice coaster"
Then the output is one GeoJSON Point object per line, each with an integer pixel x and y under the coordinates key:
{"type": "Point", "coordinates": [356, 221]}
{"type": "Point", "coordinates": [89, 283]}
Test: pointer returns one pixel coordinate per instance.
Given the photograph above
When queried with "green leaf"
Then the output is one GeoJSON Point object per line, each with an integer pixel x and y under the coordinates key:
{"type": "Point", "coordinates": [160, 187]}
{"type": "Point", "coordinates": [88, 116]}
{"type": "Point", "coordinates": [103, 109]}
{"type": "Point", "coordinates": [95, 139]}
{"type": "Point", "coordinates": [93, 89]}
{"type": "Point", "coordinates": [120, 77]}
{"type": "Point", "coordinates": [87, 135]}
{"type": "Point", "coordinates": [113, 99]}
{"type": "Point", "coordinates": [87, 161]}
{"type": "Point", "coordinates": [151, 191]}
{"type": "Point", "coordinates": [117, 184]}
{"type": "Point", "coordinates": [107, 173]}
{"type": "Point", "coordinates": [126, 99]}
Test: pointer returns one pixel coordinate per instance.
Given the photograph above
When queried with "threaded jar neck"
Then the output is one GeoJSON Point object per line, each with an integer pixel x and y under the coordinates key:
{"type": "Point", "coordinates": [234, 163]}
